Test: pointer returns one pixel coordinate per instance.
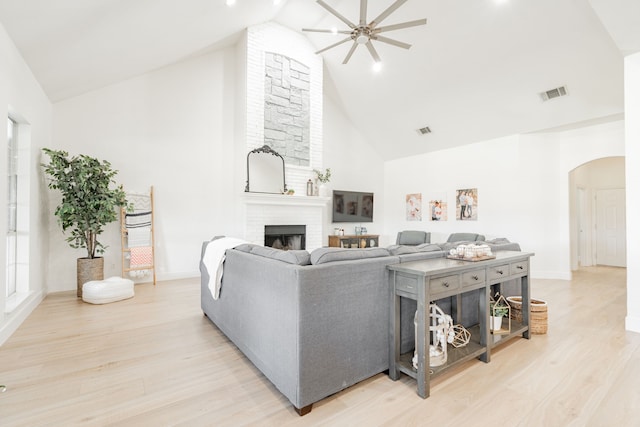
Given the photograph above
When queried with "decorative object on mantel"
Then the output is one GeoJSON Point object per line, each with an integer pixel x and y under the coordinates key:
{"type": "Point", "coordinates": [309, 188]}
{"type": "Point", "coordinates": [498, 310]}
{"type": "Point", "coordinates": [265, 167]}
{"type": "Point", "coordinates": [442, 332]}
{"type": "Point", "coordinates": [322, 178]}
{"type": "Point", "coordinates": [537, 316]}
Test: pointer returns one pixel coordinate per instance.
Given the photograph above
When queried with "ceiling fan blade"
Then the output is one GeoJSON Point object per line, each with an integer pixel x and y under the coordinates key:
{"type": "Point", "coordinates": [402, 25]}
{"type": "Point", "coordinates": [391, 41]}
{"type": "Point", "coordinates": [334, 45]}
{"type": "Point", "coordinates": [372, 51]}
{"type": "Point", "coordinates": [311, 30]}
{"type": "Point", "coordinates": [363, 12]}
{"type": "Point", "coordinates": [353, 49]}
{"type": "Point", "coordinates": [336, 14]}
{"type": "Point", "coordinates": [386, 13]}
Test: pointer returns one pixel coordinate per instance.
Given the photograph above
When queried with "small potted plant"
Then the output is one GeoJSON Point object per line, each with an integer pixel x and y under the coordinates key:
{"type": "Point", "coordinates": [497, 310]}
{"type": "Point", "coordinates": [321, 180]}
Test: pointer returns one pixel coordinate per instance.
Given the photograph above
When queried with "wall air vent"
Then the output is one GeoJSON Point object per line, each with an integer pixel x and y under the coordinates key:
{"type": "Point", "coordinates": [423, 131]}
{"type": "Point", "coordinates": [554, 93]}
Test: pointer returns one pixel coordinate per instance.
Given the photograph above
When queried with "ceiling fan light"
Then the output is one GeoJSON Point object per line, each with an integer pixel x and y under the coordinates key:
{"type": "Point", "coordinates": [362, 38]}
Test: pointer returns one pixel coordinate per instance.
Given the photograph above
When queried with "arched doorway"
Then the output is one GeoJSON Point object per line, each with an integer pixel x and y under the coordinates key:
{"type": "Point", "coordinates": [597, 213]}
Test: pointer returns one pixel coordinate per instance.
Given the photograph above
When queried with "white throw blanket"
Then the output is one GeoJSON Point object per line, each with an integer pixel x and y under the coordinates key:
{"type": "Point", "coordinates": [213, 260]}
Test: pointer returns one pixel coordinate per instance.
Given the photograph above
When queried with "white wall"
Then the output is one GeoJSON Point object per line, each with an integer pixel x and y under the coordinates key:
{"type": "Point", "coordinates": [632, 134]}
{"type": "Point", "coordinates": [22, 97]}
{"type": "Point", "coordinates": [180, 129]}
{"type": "Point", "coordinates": [523, 189]}
{"type": "Point", "coordinates": [355, 166]}
{"type": "Point", "coordinates": [172, 128]}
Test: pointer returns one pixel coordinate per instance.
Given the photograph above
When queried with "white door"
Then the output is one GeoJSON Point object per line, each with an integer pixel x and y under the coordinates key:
{"type": "Point", "coordinates": [611, 245]}
{"type": "Point", "coordinates": [584, 259]}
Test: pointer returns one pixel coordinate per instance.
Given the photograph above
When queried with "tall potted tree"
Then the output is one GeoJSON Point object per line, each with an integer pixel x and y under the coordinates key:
{"type": "Point", "coordinates": [89, 202]}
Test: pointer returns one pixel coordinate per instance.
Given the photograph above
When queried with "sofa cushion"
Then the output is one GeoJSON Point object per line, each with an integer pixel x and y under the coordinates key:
{"type": "Point", "coordinates": [462, 237]}
{"type": "Point", "coordinates": [298, 257]}
{"type": "Point", "coordinates": [413, 237]}
{"type": "Point", "coordinates": [402, 250]}
{"type": "Point", "coordinates": [245, 247]}
{"type": "Point", "coordinates": [323, 255]}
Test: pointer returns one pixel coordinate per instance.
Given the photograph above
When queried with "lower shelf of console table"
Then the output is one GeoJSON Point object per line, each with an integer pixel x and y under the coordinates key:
{"type": "Point", "coordinates": [450, 278]}
{"type": "Point", "coordinates": [456, 356]}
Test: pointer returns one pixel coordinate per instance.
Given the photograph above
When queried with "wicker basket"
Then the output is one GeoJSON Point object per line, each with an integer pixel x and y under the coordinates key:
{"type": "Point", "coordinates": [537, 319]}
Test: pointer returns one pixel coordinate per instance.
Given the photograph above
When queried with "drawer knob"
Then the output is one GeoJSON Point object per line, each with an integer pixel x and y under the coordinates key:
{"type": "Point", "coordinates": [475, 277]}
{"type": "Point", "coordinates": [445, 284]}
{"type": "Point", "coordinates": [519, 267]}
{"type": "Point", "coordinates": [499, 272]}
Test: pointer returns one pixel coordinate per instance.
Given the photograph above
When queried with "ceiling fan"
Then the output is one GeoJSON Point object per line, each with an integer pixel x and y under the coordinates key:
{"type": "Point", "coordinates": [364, 33]}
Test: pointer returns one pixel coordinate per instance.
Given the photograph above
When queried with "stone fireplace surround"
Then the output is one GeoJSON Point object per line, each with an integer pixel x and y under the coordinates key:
{"type": "Point", "coordinates": [269, 209]}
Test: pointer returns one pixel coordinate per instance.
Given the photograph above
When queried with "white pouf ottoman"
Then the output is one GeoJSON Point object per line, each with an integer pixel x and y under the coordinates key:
{"type": "Point", "coordinates": [109, 290]}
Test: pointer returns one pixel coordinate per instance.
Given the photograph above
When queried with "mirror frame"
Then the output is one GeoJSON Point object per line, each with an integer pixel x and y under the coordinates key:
{"type": "Point", "coordinates": [265, 149]}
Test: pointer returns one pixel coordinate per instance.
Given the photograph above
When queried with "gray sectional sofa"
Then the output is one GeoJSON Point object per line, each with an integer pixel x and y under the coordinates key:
{"type": "Point", "coordinates": [312, 323]}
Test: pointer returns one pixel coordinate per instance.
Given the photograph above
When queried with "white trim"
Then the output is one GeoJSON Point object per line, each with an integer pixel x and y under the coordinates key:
{"type": "Point", "coordinates": [19, 315]}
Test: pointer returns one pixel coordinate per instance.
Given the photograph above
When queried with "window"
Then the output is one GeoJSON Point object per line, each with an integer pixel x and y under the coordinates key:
{"type": "Point", "coordinates": [12, 208]}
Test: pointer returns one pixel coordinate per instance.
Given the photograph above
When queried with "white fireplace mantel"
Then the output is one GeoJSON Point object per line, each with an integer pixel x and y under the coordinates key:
{"type": "Point", "coordinates": [281, 199]}
{"type": "Point", "coordinates": [278, 209]}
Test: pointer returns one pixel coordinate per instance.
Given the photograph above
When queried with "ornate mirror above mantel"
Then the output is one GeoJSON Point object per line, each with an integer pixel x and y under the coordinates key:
{"type": "Point", "coordinates": [265, 171]}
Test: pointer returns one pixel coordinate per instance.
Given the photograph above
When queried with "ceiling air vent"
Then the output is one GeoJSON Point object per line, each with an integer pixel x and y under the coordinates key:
{"type": "Point", "coordinates": [554, 93]}
{"type": "Point", "coordinates": [423, 131]}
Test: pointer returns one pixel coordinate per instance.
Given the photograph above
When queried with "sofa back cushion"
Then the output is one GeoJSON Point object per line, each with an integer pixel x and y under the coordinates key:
{"type": "Point", "coordinates": [413, 237]}
{"type": "Point", "coordinates": [297, 257]}
{"type": "Point", "coordinates": [465, 237]}
{"type": "Point", "coordinates": [323, 255]}
{"type": "Point", "coordinates": [402, 250]}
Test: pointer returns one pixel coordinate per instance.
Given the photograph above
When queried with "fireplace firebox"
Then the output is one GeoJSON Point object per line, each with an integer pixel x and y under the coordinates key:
{"type": "Point", "coordinates": [285, 237]}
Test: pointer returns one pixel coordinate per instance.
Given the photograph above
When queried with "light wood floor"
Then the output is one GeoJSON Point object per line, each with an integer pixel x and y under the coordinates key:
{"type": "Point", "coordinates": [156, 360]}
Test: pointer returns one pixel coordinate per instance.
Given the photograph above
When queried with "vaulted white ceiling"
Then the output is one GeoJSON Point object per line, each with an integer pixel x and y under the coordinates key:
{"type": "Point", "coordinates": [474, 71]}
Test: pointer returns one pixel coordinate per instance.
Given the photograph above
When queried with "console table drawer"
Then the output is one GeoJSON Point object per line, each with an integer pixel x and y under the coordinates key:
{"type": "Point", "coordinates": [444, 284]}
{"type": "Point", "coordinates": [406, 284]}
{"type": "Point", "coordinates": [471, 278]}
{"type": "Point", "coordinates": [519, 267]}
{"type": "Point", "coordinates": [499, 272]}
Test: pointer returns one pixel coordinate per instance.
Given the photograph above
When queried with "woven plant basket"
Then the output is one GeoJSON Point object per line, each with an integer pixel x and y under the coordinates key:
{"type": "Point", "coordinates": [88, 269]}
{"type": "Point", "coordinates": [538, 323]}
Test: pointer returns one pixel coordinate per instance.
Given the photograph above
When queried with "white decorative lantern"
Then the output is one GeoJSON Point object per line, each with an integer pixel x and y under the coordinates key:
{"type": "Point", "coordinates": [441, 331]}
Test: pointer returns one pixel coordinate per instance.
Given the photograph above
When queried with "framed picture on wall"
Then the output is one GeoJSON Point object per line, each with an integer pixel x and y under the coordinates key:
{"type": "Point", "coordinates": [438, 210]}
{"type": "Point", "coordinates": [413, 205]}
{"type": "Point", "coordinates": [467, 204]}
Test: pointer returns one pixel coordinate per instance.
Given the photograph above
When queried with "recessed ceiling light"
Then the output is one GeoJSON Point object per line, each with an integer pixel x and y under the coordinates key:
{"type": "Point", "coordinates": [231, 2]}
{"type": "Point", "coordinates": [377, 66]}
{"type": "Point", "coordinates": [334, 30]}
{"type": "Point", "coordinates": [276, 2]}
